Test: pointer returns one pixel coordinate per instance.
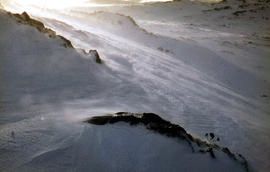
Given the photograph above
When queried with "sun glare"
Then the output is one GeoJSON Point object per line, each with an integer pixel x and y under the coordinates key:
{"type": "Point", "coordinates": [51, 4]}
{"type": "Point", "coordinates": [61, 4]}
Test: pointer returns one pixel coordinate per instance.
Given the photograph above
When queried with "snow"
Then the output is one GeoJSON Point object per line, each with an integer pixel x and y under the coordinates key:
{"type": "Point", "coordinates": [125, 148]}
{"type": "Point", "coordinates": [172, 59]}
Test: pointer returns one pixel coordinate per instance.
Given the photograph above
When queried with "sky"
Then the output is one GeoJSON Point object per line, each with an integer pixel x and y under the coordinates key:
{"type": "Point", "coordinates": [58, 4]}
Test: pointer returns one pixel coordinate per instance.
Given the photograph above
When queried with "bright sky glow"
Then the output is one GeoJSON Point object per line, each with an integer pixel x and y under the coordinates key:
{"type": "Point", "coordinates": [55, 4]}
{"type": "Point", "coordinates": [61, 4]}
{"type": "Point", "coordinates": [144, 1]}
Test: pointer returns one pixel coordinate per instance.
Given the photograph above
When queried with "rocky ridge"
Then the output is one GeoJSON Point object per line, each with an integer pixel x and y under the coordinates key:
{"type": "Point", "coordinates": [157, 124]}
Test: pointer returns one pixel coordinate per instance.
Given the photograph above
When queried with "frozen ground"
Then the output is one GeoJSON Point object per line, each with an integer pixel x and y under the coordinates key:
{"type": "Point", "coordinates": [206, 70]}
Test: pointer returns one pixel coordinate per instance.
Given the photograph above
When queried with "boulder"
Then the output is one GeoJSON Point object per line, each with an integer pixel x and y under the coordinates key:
{"type": "Point", "coordinates": [96, 55]}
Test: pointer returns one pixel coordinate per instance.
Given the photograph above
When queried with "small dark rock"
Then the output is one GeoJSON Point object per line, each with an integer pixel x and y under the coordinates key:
{"type": "Point", "coordinates": [237, 13]}
{"type": "Point", "coordinates": [222, 8]}
{"type": "Point", "coordinates": [96, 55]}
{"type": "Point", "coordinates": [212, 135]}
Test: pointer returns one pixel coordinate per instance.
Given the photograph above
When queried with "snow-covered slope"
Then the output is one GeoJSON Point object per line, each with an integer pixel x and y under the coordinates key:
{"type": "Point", "coordinates": [162, 58]}
{"type": "Point", "coordinates": [38, 74]}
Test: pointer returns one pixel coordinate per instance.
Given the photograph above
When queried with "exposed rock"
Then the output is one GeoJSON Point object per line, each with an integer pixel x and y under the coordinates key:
{"type": "Point", "coordinates": [237, 13]}
{"type": "Point", "coordinates": [24, 18]}
{"type": "Point", "coordinates": [212, 138]}
{"type": "Point", "coordinates": [67, 42]}
{"type": "Point", "coordinates": [241, 7]}
{"type": "Point", "coordinates": [212, 135]}
{"type": "Point", "coordinates": [157, 124]}
{"type": "Point", "coordinates": [150, 120]}
{"type": "Point", "coordinates": [209, 150]}
{"type": "Point", "coordinates": [219, 8]}
{"type": "Point", "coordinates": [96, 55]}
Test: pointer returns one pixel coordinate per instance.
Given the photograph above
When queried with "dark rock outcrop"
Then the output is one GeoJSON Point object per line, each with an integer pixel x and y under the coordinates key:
{"type": "Point", "coordinates": [96, 55]}
{"type": "Point", "coordinates": [150, 120]}
{"type": "Point", "coordinates": [24, 18]}
{"type": "Point", "coordinates": [157, 124]}
{"type": "Point", "coordinates": [237, 13]}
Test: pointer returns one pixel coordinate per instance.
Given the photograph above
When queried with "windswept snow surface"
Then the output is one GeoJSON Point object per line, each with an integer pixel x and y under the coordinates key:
{"type": "Point", "coordinates": [172, 59]}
